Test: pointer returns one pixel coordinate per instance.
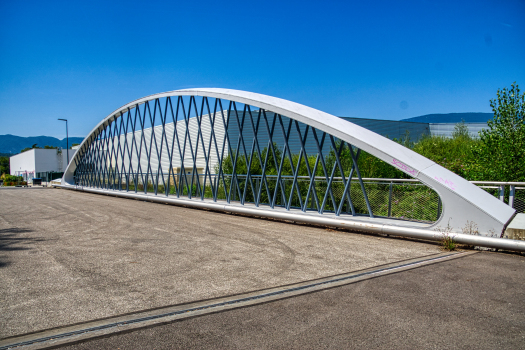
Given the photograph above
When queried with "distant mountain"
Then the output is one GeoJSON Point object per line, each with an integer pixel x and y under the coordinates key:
{"type": "Point", "coordinates": [452, 118]}
{"type": "Point", "coordinates": [14, 144]}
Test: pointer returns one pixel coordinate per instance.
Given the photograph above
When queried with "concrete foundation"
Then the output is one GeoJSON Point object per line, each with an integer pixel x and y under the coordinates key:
{"type": "Point", "coordinates": [516, 229]}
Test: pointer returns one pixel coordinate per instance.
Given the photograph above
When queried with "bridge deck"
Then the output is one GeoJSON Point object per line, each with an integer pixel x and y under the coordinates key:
{"type": "Point", "coordinates": [68, 256]}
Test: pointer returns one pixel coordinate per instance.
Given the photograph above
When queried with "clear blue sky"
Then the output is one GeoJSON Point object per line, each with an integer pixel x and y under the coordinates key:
{"type": "Point", "coordinates": [371, 59]}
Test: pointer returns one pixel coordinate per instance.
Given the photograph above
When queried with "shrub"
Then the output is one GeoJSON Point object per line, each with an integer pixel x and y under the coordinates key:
{"type": "Point", "coordinates": [500, 153]}
{"type": "Point", "coordinates": [454, 153]}
{"type": "Point", "coordinates": [4, 165]}
{"type": "Point", "coordinates": [11, 180]}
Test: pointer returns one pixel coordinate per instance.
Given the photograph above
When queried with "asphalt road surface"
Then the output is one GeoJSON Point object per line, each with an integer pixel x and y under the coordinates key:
{"type": "Point", "coordinates": [474, 302]}
{"type": "Point", "coordinates": [69, 257]}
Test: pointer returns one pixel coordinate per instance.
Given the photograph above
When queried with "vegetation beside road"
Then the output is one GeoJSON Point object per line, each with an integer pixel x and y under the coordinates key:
{"type": "Point", "coordinates": [4, 165]}
{"type": "Point", "coordinates": [12, 180]}
{"type": "Point", "coordinates": [497, 154]}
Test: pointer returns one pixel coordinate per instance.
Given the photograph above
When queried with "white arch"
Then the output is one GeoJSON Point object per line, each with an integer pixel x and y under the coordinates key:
{"type": "Point", "coordinates": [462, 201]}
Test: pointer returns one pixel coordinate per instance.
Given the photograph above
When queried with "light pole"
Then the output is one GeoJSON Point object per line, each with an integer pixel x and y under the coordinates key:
{"type": "Point", "coordinates": [67, 142]}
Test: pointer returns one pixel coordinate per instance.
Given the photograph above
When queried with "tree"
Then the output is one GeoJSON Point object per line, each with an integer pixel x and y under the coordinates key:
{"type": "Point", "coordinates": [37, 147]}
{"type": "Point", "coordinates": [461, 130]}
{"type": "Point", "coordinates": [500, 154]}
{"type": "Point", "coordinates": [4, 165]}
{"type": "Point", "coordinates": [28, 148]}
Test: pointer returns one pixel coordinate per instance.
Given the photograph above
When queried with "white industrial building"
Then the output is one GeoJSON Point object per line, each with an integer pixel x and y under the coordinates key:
{"type": "Point", "coordinates": [398, 128]}
{"type": "Point", "coordinates": [38, 162]}
{"type": "Point", "coordinates": [190, 144]}
{"type": "Point", "coordinates": [137, 144]}
{"type": "Point", "coordinates": [447, 129]}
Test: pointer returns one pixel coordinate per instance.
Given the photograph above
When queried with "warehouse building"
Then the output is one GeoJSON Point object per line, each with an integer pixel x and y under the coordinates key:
{"type": "Point", "coordinates": [204, 149]}
{"type": "Point", "coordinates": [47, 164]}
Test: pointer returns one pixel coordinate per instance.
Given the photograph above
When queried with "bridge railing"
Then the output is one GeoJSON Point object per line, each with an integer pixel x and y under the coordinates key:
{"type": "Point", "coordinates": [511, 193]}
{"type": "Point", "coordinates": [404, 199]}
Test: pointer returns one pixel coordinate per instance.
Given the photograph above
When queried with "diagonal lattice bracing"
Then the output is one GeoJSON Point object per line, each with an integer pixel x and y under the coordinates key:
{"type": "Point", "coordinates": [127, 154]}
{"type": "Point", "coordinates": [250, 150]}
{"type": "Point", "coordinates": [204, 148]}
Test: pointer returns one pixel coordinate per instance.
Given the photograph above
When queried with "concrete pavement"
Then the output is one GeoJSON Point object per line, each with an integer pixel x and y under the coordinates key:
{"type": "Point", "coordinates": [474, 302]}
{"type": "Point", "coordinates": [69, 257]}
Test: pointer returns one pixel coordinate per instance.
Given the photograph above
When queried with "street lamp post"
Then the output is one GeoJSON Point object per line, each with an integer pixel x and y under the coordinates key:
{"type": "Point", "coordinates": [67, 142]}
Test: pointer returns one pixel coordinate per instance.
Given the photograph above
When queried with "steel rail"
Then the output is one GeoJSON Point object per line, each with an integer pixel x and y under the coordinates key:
{"type": "Point", "coordinates": [496, 183]}
{"type": "Point", "coordinates": [376, 179]}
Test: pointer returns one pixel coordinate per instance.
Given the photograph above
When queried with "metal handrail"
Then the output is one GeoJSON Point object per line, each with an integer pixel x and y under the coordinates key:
{"type": "Point", "coordinates": [509, 183]}
{"type": "Point", "coordinates": [499, 185]}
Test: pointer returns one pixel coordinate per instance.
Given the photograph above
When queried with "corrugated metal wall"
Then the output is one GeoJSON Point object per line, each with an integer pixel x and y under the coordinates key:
{"type": "Point", "coordinates": [277, 128]}
{"type": "Point", "coordinates": [138, 144]}
{"type": "Point", "coordinates": [446, 129]}
{"type": "Point", "coordinates": [219, 146]}
{"type": "Point", "coordinates": [393, 129]}
{"type": "Point", "coordinates": [272, 127]}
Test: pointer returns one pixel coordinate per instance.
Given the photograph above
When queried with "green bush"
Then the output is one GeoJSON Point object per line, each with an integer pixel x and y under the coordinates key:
{"type": "Point", "coordinates": [4, 165]}
{"type": "Point", "coordinates": [496, 155]}
{"type": "Point", "coordinates": [500, 154]}
{"type": "Point", "coordinates": [11, 179]}
{"type": "Point", "coordinates": [455, 154]}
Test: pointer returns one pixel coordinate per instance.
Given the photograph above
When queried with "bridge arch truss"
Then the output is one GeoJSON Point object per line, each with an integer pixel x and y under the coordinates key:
{"type": "Point", "coordinates": [249, 153]}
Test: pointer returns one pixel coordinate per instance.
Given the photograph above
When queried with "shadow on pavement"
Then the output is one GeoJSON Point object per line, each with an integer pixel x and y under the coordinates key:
{"type": "Point", "coordinates": [10, 240]}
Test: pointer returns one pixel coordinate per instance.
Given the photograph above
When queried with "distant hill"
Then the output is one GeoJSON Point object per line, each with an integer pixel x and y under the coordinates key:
{"type": "Point", "coordinates": [452, 118]}
{"type": "Point", "coordinates": [14, 144]}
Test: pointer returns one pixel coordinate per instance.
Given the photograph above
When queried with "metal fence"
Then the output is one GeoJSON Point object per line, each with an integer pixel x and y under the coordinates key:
{"type": "Point", "coordinates": [389, 198]}
{"type": "Point", "coordinates": [511, 193]}
{"type": "Point", "coordinates": [404, 199]}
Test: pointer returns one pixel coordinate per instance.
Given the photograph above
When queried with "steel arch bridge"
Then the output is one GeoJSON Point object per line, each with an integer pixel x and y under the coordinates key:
{"type": "Point", "coordinates": [244, 152]}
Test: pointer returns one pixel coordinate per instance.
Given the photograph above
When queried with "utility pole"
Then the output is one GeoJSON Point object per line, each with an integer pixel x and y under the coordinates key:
{"type": "Point", "coordinates": [67, 142]}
